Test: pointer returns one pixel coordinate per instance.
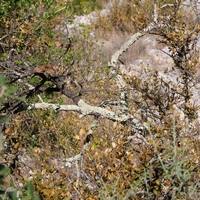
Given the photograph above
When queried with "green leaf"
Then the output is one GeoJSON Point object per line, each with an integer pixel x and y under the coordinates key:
{"type": "Point", "coordinates": [36, 198]}
{"type": "Point", "coordinates": [12, 183]}
{"type": "Point", "coordinates": [10, 91]}
{"type": "Point", "coordinates": [3, 118]}
{"type": "Point", "coordinates": [2, 80]}
{"type": "Point", "coordinates": [27, 198]}
{"type": "Point", "coordinates": [20, 98]}
{"type": "Point", "coordinates": [30, 188]}
{"type": "Point", "coordinates": [30, 192]}
{"type": "Point", "coordinates": [2, 189]}
{"type": "Point", "coordinates": [13, 195]}
{"type": "Point", "coordinates": [2, 100]}
{"type": "Point", "coordinates": [4, 170]}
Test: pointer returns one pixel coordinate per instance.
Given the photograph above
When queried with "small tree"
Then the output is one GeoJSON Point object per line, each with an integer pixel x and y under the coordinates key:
{"type": "Point", "coordinates": [151, 145]}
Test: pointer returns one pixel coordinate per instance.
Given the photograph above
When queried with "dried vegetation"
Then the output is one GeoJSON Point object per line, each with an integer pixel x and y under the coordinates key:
{"type": "Point", "coordinates": [165, 165]}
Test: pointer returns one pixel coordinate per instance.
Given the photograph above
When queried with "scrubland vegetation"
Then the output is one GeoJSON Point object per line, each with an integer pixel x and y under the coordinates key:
{"type": "Point", "coordinates": [75, 125]}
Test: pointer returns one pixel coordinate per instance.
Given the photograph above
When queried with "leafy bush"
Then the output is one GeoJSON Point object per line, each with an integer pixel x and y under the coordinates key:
{"type": "Point", "coordinates": [10, 192]}
{"type": "Point", "coordinates": [164, 164]}
{"type": "Point", "coordinates": [81, 7]}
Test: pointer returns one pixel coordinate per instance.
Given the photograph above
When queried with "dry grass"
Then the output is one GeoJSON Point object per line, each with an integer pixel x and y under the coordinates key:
{"type": "Point", "coordinates": [147, 49]}
{"type": "Point", "coordinates": [69, 131]}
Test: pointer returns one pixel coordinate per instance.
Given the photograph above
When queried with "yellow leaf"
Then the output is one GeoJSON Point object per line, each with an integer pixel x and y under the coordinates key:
{"type": "Point", "coordinates": [137, 169]}
{"type": "Point", "coordinates": [165, 132]}
{"type": "Point", "coordinates": [16, 145]}
{"type": "Point", "coordinates": [82, 131]}
{"type": "Point", "coordinates": [157, 182]}
{"type": "Point", "coordinates": [46, 192]}
{"type": "Point", "coordinates": [132, 18]}
{"type": "Point", "coordinates": [77, 137]}
{"type": "Point", "coordinates": [114, 145]}
{"type": "Point", "coordinates": [117, 124]}
{"type": "Point", "coordinates": [128, 153]}
{"type": "Point", "coordinates": [37, 150]}
{"type": "Point", "coordinates": [64, 172]}
{"type": "Point", "coordinates": [114, 124]}
{"type": "Point", "coordinates": [108, 150]}
{"type": "Point", "coordinates": [101, 82]}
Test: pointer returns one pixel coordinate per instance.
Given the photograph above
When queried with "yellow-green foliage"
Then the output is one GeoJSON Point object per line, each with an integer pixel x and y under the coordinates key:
{"type": "Point", "coordinates": [165, 166]}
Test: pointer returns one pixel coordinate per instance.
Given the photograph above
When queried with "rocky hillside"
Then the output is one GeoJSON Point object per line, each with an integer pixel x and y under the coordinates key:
{"type": "Point", "coordinates": [110, 106]}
